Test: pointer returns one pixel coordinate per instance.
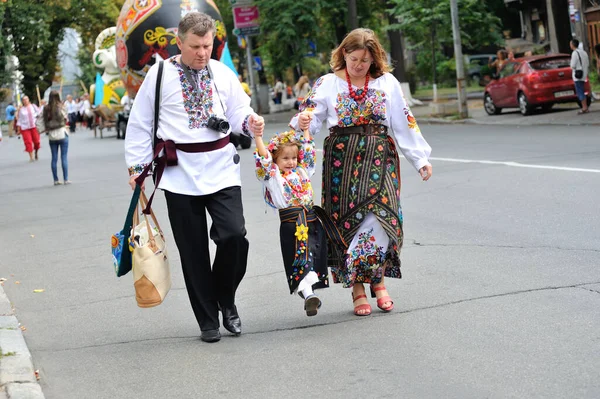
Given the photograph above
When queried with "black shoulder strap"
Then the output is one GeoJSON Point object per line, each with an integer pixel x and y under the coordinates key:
{"type": "Point", "coordinates": [157, 96]}
{"type": "Point", "coordinates": [578, 55]}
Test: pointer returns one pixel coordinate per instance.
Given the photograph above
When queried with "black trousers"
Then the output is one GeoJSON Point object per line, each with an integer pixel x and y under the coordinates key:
{"type": "Point", "coordinates": [210, 287]}
{"type": "Point", "coordinates": [317, 261]}
{"type": "Point", "coordinates": [72, 121]}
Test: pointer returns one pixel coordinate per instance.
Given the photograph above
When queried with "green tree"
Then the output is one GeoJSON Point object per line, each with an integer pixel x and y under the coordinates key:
{"type": "Point", "coordinates": [428, 28]}
{"type": "Point", "coordinates": [285, 39]}
{"type": "Point", "coordinates": [36, 28]}
{"type": "Point", "coordinates": [5, 48]}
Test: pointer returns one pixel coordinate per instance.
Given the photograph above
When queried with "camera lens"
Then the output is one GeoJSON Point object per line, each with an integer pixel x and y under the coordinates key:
{"type": "Point", "coordinates": [223, 126]}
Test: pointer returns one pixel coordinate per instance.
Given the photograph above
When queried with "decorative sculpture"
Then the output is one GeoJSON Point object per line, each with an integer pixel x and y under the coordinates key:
{"type": "Point", "coordinates": [147, 31]}
{"type": "Point", "coordinates": [109, 87]}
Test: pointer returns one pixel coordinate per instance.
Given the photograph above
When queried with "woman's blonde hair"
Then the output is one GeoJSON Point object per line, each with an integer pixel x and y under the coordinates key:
{"type": "Point", "coordinates": [301, 82]}
{"type": "Point", "coordinates": [361, 39]}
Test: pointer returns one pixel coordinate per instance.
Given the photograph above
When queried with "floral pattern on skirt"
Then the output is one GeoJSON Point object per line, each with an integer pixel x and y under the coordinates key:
{"type": "Point", "coordinates": [361, 177]}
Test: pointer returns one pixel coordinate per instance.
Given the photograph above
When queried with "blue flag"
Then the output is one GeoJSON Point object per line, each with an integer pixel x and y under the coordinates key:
{"type": "Point", "coordinates": [98, 90]}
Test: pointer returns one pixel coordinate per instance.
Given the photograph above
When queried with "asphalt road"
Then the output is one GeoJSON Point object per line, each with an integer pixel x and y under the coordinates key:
{"type": "Point", "coordinates": [499, 299]}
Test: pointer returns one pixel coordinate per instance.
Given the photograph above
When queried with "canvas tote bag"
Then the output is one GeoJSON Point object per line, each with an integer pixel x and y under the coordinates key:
{"type": "Point", "coordinates": [151, 271]}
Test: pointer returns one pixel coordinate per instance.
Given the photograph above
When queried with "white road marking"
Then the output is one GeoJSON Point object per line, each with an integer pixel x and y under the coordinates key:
{"type": "Point", "coordinates": [517, 164]}
{"type": "Point", "coordinates": [510, 163]}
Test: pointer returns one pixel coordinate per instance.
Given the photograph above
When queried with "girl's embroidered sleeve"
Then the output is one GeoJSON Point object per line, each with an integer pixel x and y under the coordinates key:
{"type": "Point", "coordinates": [307, 156]}
{"type": "Point", "coordinates": [404, 125]}
{"type": "Point", "coordinates": [265, 167]}
{"type": "Point", "coordinates": [316, 102]}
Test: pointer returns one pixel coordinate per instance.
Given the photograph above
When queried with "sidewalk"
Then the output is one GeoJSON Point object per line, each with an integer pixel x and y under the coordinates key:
{"type": "Point", "coordinates": [561, 114]}
{"type": "Point", "coordinates": [17, 376]}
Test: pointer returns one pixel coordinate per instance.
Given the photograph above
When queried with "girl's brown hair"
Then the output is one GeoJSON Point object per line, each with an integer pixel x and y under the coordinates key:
{"type": "Point", "coordinates": [360, 39]}
{"type": "Point", "coordinates": [277, 151]}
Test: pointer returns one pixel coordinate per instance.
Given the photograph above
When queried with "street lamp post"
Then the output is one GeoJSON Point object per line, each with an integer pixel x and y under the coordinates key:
{"type": "Point", "coordinates": [460, 68]}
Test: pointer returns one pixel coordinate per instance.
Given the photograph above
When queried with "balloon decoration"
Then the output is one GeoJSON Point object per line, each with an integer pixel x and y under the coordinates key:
{"type": "Point", "coordinates": [147, 32]}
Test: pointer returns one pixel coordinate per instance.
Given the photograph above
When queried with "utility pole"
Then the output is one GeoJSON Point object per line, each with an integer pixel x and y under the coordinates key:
{"type": "Point", "coordinates": [433, 63]}
{"type": "Point", "coordinates": [463, 108]}
{"type": "Point", "coordinates": [352, 17]}
{"type": "Point", "coordinates": [254, 99]}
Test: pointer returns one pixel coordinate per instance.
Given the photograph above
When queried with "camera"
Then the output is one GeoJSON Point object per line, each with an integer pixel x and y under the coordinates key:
{"type": "Point", "coordinates": [218, 124]}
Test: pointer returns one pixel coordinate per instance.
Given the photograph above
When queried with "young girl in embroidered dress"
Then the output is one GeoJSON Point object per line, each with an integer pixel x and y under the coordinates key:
{"type": "Point", "coordinates": [285, 168]}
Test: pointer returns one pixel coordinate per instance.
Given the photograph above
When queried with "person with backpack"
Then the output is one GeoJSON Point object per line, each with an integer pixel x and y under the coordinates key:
{"type": "Point", "coordinates": [11, 111]}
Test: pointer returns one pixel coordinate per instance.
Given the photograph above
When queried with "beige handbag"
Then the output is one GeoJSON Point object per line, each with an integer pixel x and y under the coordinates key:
{"type": "Point", "coordinates": [151, 271]}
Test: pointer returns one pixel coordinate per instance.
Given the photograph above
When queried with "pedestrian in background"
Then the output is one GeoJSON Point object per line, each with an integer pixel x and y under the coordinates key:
{"type": "Point", "coordinates": [362, 103]}
{"type": "Point", "coordinates": [26, 117]}
{"type": "Point", "coordinates": [88, 114]}
{"type": "Point", "coordinates": [245, 86]}
{"type": "Point", "coordinates": [201, 103]}
{"type": "Point", "coordinates": [53, 123]}
{"type": "Point", "coordinates": [302, 88]}
{"type": "Point", "coordinates": [278, 91]}
{"type": "Point", "coordinates": [285, 169]}
{"type": "Point", "coordinates": [498, 63]}
{"type": "Point", "coordinates": [11, 112]}
{"type": "Point", "coordinates": [72, 110]}
{"type": "Point", "coordinates": [580, 64]}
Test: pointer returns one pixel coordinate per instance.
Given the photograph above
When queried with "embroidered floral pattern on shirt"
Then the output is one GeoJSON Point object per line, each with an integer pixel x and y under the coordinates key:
{"type": "Point", "coordinates": [198, 102]}
{"type": "Point", "coordinates": [412, 122]}
{"type": "Point", "coordinates": [294, 185]}
{"type": "Point", "coordinates": [136, 169]}
{"type": "Point", "coordinates": [369, 111]}
{"type": "Point", "coordinates": [245, 126]}
{"type": "Point", "coordinates": [309, 102]}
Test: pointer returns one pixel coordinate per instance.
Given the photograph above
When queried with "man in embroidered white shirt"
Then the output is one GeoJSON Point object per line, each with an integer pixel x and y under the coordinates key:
{"type": "Point", "coordinates": [205, 172]}
{"type": "Point", "coordinates": [26, 127]}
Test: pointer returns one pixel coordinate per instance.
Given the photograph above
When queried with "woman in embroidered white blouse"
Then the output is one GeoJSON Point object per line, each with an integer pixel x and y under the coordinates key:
{"type": "Point", "coordinates": [361, 102]}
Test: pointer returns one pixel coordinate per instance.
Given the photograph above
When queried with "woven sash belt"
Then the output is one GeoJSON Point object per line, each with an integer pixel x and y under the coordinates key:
{"type": "Point", "coordinates": [169, 158]}
{"type": "Point", "coordinates": [302, 215]}
{"type": "Point", "coordinates": [361, 129]}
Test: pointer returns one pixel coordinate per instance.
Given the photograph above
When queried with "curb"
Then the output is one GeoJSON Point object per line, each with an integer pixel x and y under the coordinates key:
{"type": "Point", "coordinates": [442, 121]}
{"type": "Point", "coordinates": [17, 375]}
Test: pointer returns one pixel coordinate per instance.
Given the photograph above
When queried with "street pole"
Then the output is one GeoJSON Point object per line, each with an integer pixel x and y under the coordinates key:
{"type": "Point", "coordinates": [255, 103]}
{"type": "Point", "coordinates": [352, 16]}
{"type": "Point", "coordinates": [433, 63]}
{"type": "Point", "coordinates": [460, 68]}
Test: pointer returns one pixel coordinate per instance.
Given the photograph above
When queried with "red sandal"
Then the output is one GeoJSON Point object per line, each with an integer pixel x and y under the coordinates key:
{"type": "Point", "coordinates": [383, 299]}
{"type": "Point", "coordinates": [364, 306]}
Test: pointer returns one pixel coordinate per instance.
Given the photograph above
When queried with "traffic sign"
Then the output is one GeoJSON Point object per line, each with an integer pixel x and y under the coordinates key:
{"type": "Point", "coordinates": [245, 17]}
{"type": "Point", "coordinates": [258, 63]}
{"type": "Point", "coordinates": [252, 31]}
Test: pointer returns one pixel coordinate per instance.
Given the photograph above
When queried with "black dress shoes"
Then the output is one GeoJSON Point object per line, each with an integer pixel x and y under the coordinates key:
{"type": "Point", "coordinates": [210, 335]}
{"type": "Point", "coordinates": [231, 320]}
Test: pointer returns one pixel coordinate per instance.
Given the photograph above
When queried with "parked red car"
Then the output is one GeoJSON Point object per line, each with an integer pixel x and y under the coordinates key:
{"type": "Point", "coordinates": [530, 82]}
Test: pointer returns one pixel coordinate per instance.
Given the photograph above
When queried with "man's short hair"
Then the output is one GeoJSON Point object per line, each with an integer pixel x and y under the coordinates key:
{"type": "Point", "coordinates": [575, 43]}
{"type": "Point", "coordinates": [197, 23]}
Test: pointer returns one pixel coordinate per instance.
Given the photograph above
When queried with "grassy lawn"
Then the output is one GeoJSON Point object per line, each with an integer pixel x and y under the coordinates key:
{"type": "Point", "coordinates": [427, 91]}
